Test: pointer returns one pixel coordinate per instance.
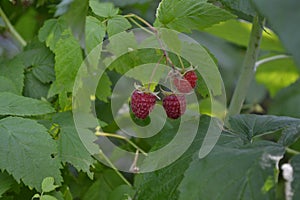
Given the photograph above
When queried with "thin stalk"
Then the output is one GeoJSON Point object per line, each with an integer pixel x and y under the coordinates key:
{"type": "Point", "coordinates": [153, 72]}
{"type": "Point", "coordinates": [98, 133]}
{"type": "Point", "coordinates": [11, 29]}
{"type": "Point", "coordinates": [248, 68]}
{"type": "Point", "coordinates": [292, 151]}
{"type": "Point", "coordinates": [181, 63]}
{"type": "Point", "coordinates": [269, 59]}
{"type": "Point", "coordinates": [114, 168]}
{"type": "Point", "coordinates": [136, 23]}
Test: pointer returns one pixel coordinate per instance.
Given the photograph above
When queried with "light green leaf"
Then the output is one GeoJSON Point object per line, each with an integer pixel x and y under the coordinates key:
{"type": "Point", "coordinates": [47, 197]}
{"type": "Point", "coordinates": [75, 17]}
{"type": "Point", "coordinates": [52, 31]}
{"type": "Point", "coordinates": [94, 32]}
{"type": "Point", "coordinates": [68, 58]}
{"type": "Point", "coordinates": [26, 149]}
{"type": "Point", "coordinates": [27, 25]}
{"type": "Point", "coordinates": [286, 101]}
{"type": "Point", "coordinates": [277, 74]}
{"type": "Point", "coordinates": [6, 182]}
{"type": "Point", "coordinates": [233, 172]}
{"type": "Point", "coordinates": [71, 148]}
{"type": "Point", "coordinates": [244, 6]}
{"type": "Point", "coordinates": [295, 162]}
{"type": "Point", "coordinates": [13, 70]}
{"type": "Point", "coordinates": [238, 32]}
{"type": "Point", "coordinates": [103, 9]}
{"type": "Point", "coordinates": [117, 24]}
{"type": "Point", "coordinates": [48, 184]}
{"type": "Point", "coordinates": [249, 126]}
{"type": "Point", "coordinates": [282, 17]}
{"type": "Point", "coordinates": [185, 16]}
{"type": "Point", "coordinates": [12, 104]}
{"type": "Point", "coordinates": [122, 43]}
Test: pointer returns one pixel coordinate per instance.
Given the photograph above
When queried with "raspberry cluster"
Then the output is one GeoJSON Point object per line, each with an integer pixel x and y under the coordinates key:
{"type": "Point", "coordinates": [143, 101]}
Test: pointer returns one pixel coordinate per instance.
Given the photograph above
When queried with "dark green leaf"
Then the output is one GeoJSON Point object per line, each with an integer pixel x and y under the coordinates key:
{"type": "Point", "coordinates": [26, 149]}
{"type": "Point", "coordinates": [103, 186]}
{"type": "Point", "coordinates": [244, 6]}
{"type": "Point", "coordinates": [230, 173]}
{"type": "Point", "coordinates": [34, 88]}
{"type": "Point", "coordinates": [185, 16]}
{"type": "Point", "coordinates": [71, 148]}
{"type": "Point", "coordinates": [121, 192]}
{"type": "Point", "coordinates": [282, 17]}
{"type": "Point", "coordinates": [103, 9]}
{"type": "Point", "coordinates": [249, 126]}
{"type": "Point", "coordinates": [104, 88]}
{"type": "Point", "coordinates": [286, 101]}
{"type": "Point", "coordinates": [6, 181]}
{"type": "Point", "coordinates": [12, 104]}
{"type": "Point", "coordinates": [117, 24]}
{"type": "Point", "coordinates": [13, 70]}
{"type": "Point", "coordinates": [295, 162]}
{"type": "Point", "coordinates": [7, 85]}
{"type": "Point", "coordinates": [162, 184]}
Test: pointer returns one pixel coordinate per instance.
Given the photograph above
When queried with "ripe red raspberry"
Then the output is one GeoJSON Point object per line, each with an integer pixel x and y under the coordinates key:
{"type": "Point", "coordinates": [174, 105]}
{"type": "Point", "coordinates": [142, 103]}
{"type": "Point", "coordinates": [186, 83]}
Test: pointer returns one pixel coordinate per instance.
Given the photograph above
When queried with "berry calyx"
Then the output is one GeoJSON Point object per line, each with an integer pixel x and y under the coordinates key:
{"type": "Point", "coordinates": [174, 105]}
{"type": "Point", "coordinates": [187, 82]}
{"type": "Point", "coordinates": [142, 103]}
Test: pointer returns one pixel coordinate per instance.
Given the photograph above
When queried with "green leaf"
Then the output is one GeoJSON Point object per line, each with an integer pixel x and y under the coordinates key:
{"type": "Point", "coordinates": [7, 85]}
{"type": "Point", "coordinates": [117, 24]}
{"type": "Point", "coordinates": [238, 32]}
{"type": "Point", "coordinates": [38, 58]}
{"type": "Point", "coordinates": [13, 70]}
{"type": "Point", "coordinates": [162, 184]}
{"type": "Point", "coordinates": [103, 9]}
{"type": "Point", "coordinates": [34, 88]}
{"type": "Point", "coordinates": [282, 17]}
{"type": "Point", "coordinates": [12, 104]}
{"type": "Point", "coordinates": [68, 58]}
{"type": "Point", "coordinates": [94, 33]}
{"type": "Point", "coordinates": [27, 25]}
{"type": "Point", "coordinates": [71, 148]}
{"type": "Point", "coordinates": [185, 16]}
{"type": "Point", "coordinates": [52, 31]}
{"type": "Point", "coordinates": [6, 182]}
{"type": "Point", "coordinates": [75, 17]}
{"type": "Point", "coordinates": [295, 162]}
{"type": "Point", "coordinates": [104, 88]}
{"type": "Point", "coordinates": [249, 126]}
{"type": "Point", "coordinates": [286, 101]}
{"type": "Point", "coordinates": [26, 149]}
{"type": "Point", "coordinates": [103, 186]}
{"type": "Point", "coordinates": [48, 197]}
{"type": "Point", "coordinates": [231, 173]}
{"type": "Point", "coordinates": [244, 6]}
{"type": "Point", "coordinates": [121, 192]}
{"type": "Point", "coordinates": [277, 74]}
{"type": "Point", "coordinates": [48, 184]}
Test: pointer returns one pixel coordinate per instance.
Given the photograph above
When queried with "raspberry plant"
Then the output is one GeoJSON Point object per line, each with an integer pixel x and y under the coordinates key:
{"type": "Point", "coordinates": [253, 43]}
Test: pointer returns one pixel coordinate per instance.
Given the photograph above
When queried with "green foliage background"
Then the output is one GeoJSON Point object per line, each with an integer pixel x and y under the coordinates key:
{"type": "Point", "coordinates": [44, 42]}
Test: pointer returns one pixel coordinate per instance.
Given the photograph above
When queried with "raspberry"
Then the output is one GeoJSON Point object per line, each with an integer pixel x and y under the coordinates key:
{"type": "Point", "coordinates": [174, 105]}
{"type": "Point", "coordinates": [186, 83]}
{"type": "Point", "coordinates": [142, 103]}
